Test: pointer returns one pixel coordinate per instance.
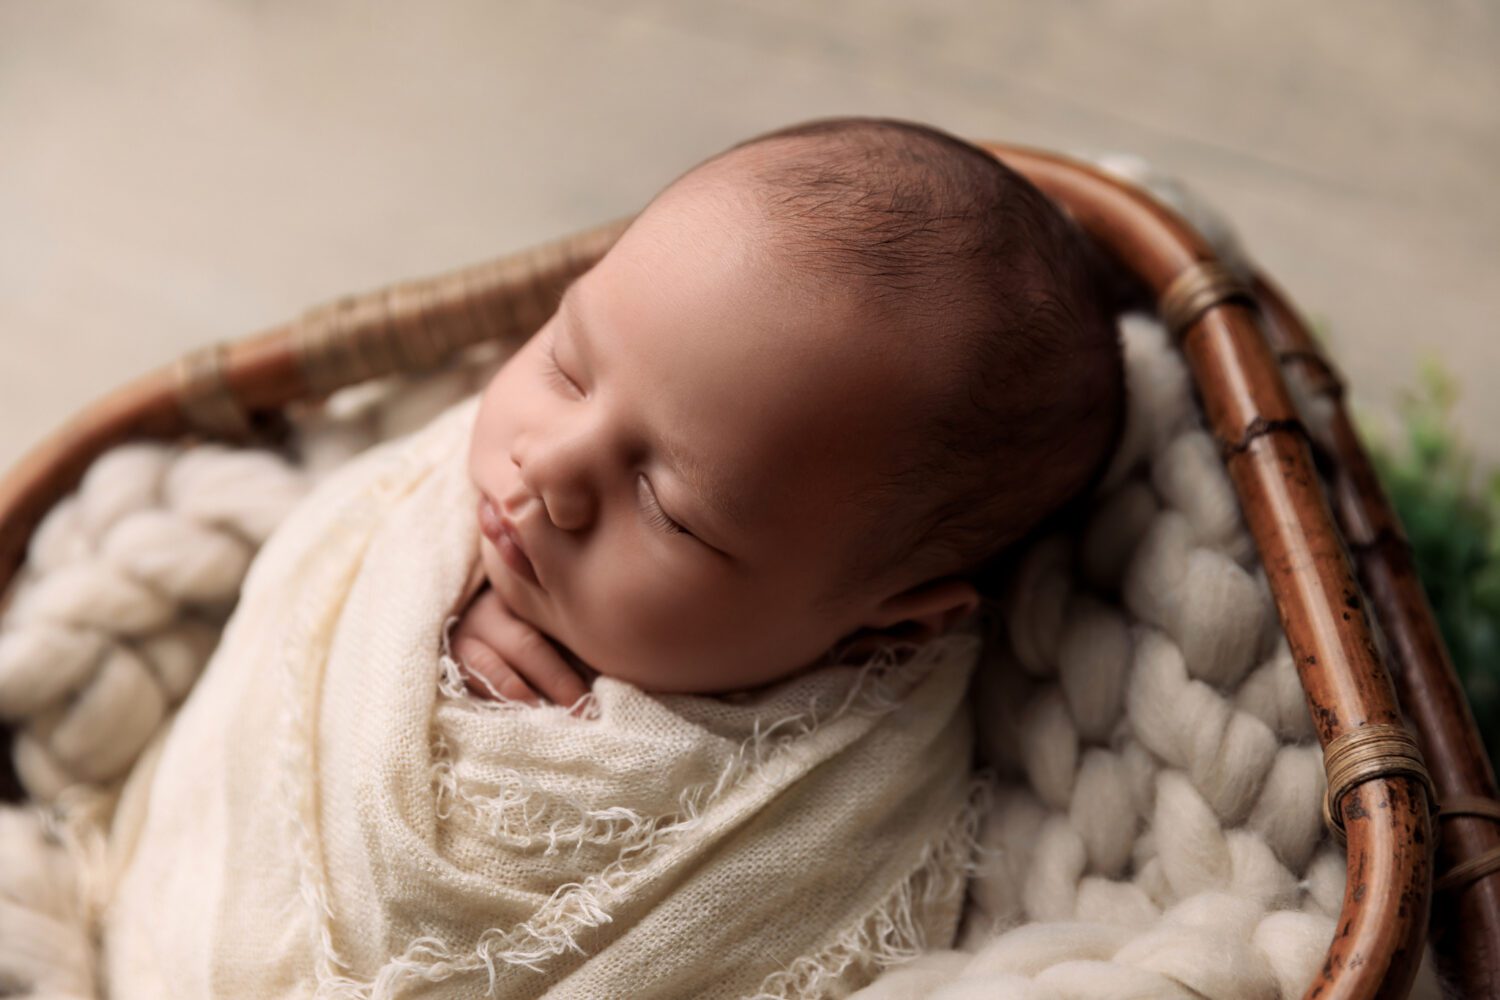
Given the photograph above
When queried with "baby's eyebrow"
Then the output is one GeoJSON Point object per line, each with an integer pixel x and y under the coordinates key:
{"type": "Point", "coordinates": [722, 504]}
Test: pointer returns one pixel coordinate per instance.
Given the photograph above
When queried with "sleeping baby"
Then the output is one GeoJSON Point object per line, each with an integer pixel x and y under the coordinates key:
{"type": "Point", "coordinates": [821, 380]}
{"type": "Point", "coordinates": [642, 674]}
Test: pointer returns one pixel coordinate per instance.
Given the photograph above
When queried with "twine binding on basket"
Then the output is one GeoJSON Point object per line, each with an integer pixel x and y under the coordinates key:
{"type": "Point", "coordinates": [204, 396]}
{"type": "Point", "coordinates": [1381, 750]}
{"type": "Point", "coordinates": [1468, 872]}
{"type": "Point", "coordinates": [1199, 288]}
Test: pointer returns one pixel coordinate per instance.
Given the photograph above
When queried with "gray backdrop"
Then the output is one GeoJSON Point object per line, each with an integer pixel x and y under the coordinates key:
{"type": "Point", "coordinates": [178, 171]}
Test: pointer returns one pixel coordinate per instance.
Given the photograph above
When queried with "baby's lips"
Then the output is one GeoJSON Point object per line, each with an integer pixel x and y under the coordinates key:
{"type": "Point", "coordinates": [489, 518]}
{"type": "Point", "coordinates": [506, 539]}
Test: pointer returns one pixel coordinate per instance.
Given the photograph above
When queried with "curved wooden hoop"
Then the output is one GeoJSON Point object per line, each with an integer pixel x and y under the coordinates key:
{"type": "Point", "coordinates": [1380, 931]}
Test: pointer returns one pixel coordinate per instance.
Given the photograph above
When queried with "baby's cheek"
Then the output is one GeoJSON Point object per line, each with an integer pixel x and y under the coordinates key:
{"type": "Point", "coordinates": [640, 621]}
{"type": "Point", "coordinates": [494, 424]}
{"type": "Point", "coordinates": [487, 458]}
{"type": "Point", "coordinates": [658, 638]}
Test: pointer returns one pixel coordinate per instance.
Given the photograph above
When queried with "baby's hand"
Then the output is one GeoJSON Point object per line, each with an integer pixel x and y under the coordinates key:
{"type": "Point", "coordinates": [502, 656]}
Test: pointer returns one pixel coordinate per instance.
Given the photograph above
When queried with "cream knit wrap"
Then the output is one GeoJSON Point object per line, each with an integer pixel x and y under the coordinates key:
{"type": "Point", "coordinates": [331, 815]}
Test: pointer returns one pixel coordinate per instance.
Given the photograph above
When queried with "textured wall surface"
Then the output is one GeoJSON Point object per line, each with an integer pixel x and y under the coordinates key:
{"type": "Point", "coordinates": [178, 171]}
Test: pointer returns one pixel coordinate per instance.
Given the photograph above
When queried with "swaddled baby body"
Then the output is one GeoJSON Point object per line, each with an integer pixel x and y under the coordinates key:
{"type": "Point", "coordinates": [762, 448]}
{"type": "Point", "coordinates": [819, 382]}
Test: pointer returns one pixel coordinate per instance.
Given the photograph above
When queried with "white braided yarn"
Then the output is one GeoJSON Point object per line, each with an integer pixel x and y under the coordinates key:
{"type": "Point", "coordinates": [127, 584]}
{"type": "Point", "coordinates": [1156, 832]}
{"type": "Point", "coordinates": [49, 893]}
{"type": "Point", "coordinates": [121, 601]}
{"type": "Point", "coordinates": [128, 581]}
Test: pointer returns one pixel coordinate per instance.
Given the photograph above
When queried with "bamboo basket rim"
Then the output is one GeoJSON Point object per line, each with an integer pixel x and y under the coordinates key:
{"type": "Point", "coordinates": [235, 391]}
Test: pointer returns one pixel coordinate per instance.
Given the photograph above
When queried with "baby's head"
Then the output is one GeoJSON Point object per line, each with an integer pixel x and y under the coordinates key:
{"type": "Point", "coordinates": [820, 381]}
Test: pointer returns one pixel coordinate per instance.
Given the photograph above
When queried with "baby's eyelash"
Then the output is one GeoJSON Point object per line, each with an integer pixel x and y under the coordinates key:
{"type": "Point", "coordinates": [658, 517]}
{"type": "Point", "coordinates": [553, 370]}
{"type": "Point", "coordinates": [661, 520]}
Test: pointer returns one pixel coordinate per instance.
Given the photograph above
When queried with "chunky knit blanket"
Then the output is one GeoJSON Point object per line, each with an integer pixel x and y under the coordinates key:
{"type": "Point", "coordinates": [1156, 830]}
{"type": "Point", "coordinates": [332, 814]}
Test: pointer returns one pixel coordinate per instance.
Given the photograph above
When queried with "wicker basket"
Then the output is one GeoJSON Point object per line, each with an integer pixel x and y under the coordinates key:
{"type": "Point", "coordinates": [1237, 338]}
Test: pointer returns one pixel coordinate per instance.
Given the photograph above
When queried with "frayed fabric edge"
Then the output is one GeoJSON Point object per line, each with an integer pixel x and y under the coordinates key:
{"type": "Point", "coordinates": [892, 933]}
{"type": "Point", "coordinates": [513, 816]}
{"type": "Point", "coordinates": [877, 689]}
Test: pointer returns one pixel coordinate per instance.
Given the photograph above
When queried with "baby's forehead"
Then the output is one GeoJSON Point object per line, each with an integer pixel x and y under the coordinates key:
{"type": "Point", "coordinates": [852, 361]}
{"type": "Point", "coordinates": [777, 180]}
{"type": "Point", "coordinates": [826, 425]}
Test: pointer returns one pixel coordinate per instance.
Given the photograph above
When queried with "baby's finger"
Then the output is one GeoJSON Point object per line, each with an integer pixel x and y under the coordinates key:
{"type": "Point", "coordinates": [539, 662]}
{"type": "Point", "coordinates": [488, 675]}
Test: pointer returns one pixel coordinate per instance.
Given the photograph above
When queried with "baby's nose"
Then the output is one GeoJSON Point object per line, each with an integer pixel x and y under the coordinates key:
{"type": "Point", "coordinates": [556, 476]}
{"type": "Point", "coordinates": [569, 510]}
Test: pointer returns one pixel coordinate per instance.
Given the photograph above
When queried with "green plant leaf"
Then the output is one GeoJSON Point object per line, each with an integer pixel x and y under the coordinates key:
{"type": "Point", "coordinates": [1454, 528]}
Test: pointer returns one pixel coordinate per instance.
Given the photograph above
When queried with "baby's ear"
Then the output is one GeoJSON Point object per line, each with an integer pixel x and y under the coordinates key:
{"type": "Point", "coordinates": [926, 610]}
